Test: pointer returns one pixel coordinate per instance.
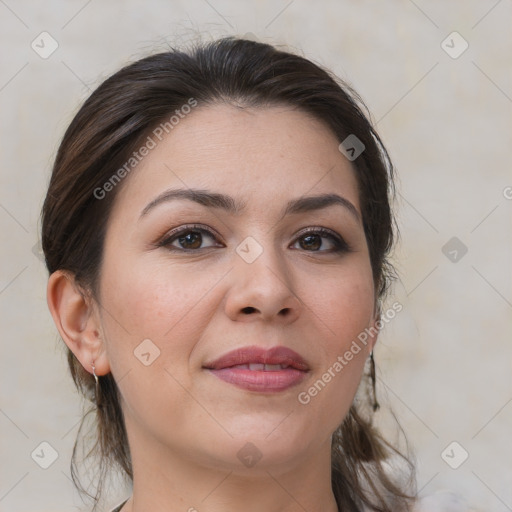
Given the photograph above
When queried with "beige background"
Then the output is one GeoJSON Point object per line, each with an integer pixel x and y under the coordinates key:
{"type": "Point", "coordinates": [445, 362]}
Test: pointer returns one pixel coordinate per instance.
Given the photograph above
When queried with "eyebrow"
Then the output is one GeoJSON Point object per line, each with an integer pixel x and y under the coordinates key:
{"type": "Point", "coordinates": [235, 207]}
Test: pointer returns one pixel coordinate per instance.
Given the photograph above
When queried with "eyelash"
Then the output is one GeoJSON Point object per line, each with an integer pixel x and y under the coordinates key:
{"type": "Point", "coordinates": [340, 246]}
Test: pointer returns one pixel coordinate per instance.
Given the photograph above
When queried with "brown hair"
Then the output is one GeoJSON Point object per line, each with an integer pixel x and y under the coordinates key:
{"type": "Point", "coordinates": [110, 126]}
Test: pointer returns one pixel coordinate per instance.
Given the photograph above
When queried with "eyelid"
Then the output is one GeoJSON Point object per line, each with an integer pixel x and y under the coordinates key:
{"type": "Point", "coordinates": [166, 238]}
{"type": "Point", "coordinates": [317, 229]}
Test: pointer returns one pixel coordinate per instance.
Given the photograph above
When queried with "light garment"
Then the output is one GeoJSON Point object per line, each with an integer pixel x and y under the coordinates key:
{"type": "Point", "coordinates": [118, 508]}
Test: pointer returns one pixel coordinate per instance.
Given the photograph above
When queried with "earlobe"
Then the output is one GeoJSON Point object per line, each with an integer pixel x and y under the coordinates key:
{"type": "Point", "coordinates": [77, 322]}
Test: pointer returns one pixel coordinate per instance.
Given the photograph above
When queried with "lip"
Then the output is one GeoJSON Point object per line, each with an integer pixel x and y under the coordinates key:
{"type": "Point", "coordinates": [262, 380]}
{"type": "Point", "coordinates": [254, 354]}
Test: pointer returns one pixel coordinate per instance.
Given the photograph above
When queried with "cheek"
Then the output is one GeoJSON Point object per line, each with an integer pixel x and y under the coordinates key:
{"type": "Point", "coordinates": [156, 315]}
{"type": "Point", "coordinates": [165, 303]}
{"type": "Point", "coordinates": [342, 305]}
{"type": "Point", "coordinates": [341, 309]}
{"type": "Point", "coordinates": [153, 299]}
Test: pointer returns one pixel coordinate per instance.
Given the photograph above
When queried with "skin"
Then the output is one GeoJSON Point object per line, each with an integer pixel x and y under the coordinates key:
{"type": "Point", "coordinates": [185, 426]}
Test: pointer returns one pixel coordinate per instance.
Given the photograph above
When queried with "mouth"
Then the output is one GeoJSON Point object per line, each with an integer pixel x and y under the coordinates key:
{"type": "Point", "coordinates": [257, 369]}
{"type": "Point", "coordinates": [261, 367]}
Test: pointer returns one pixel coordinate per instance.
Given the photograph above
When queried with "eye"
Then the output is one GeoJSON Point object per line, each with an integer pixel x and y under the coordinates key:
{"type": "Point", "coordinates": [190, 238]}
{"type": "Point", "coordinates": [187, 238]}
{"type": "Point", "coordinates": [311, 241]}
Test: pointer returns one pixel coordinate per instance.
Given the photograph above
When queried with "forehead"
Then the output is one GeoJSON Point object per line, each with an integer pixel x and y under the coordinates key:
{"type": "Point", "coordinates": [259, 155]}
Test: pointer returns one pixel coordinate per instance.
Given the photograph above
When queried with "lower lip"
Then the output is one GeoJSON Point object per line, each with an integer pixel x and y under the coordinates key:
{"type": "Point", "coordinates": [259, 380]}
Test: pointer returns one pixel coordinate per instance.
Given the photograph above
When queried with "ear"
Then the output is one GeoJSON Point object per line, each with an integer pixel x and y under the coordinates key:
{"type": "Point", "coordinates": [77, 320]}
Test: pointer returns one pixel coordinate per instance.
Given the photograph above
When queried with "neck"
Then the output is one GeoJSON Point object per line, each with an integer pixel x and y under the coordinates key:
{"type": "Point", "coordinates": [166, 480]}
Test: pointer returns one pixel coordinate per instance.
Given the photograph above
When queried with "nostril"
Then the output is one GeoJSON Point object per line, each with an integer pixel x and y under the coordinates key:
{"type": "Point", "coordinates": [248, 309]}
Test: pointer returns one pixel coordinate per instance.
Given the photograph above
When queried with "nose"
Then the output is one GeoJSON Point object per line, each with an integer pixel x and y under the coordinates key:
{"type": "Point", "coordinates": [262, 289]}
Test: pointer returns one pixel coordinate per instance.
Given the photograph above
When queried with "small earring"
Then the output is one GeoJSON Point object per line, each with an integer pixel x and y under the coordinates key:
{"type": "Point", "coordinates": [97, 390]}
{"type": "Point", "coordinates": [375, 404]}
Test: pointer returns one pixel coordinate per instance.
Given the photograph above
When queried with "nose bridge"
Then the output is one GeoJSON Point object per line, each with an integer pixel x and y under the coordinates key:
{"type": "Point", "coordinates": [263, 281]}
{"type": "Point", "coordinates": [261, 256]}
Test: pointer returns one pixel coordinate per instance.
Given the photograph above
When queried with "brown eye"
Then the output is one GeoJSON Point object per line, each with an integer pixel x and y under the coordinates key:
{"type": "Point", "coordinates": [192, 238]}
{"type": "Point", "coordinates": [188, 238]}
{"type": "Point", "coordinates": [312, 241]}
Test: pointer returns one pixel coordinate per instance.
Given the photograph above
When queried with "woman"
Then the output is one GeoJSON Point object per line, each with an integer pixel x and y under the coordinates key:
{"type": "Point", "coordinates": [216, 230]}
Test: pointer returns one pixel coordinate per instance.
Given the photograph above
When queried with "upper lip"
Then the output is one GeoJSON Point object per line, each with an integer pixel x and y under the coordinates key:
{"type": "Point", "coordinates": [254, 354]}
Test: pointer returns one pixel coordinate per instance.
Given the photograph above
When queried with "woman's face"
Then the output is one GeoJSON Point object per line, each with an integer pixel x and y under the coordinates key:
{"type": "Point", "coordinates": [184, 282]}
